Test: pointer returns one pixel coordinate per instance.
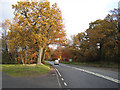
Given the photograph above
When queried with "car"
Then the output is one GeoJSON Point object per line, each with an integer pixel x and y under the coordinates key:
{"type": "Point", "coordinates": [56, 62]}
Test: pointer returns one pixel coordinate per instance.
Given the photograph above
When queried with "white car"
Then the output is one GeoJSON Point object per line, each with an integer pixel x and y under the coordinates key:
{"type": "Point", "coordinates": [56, 62]}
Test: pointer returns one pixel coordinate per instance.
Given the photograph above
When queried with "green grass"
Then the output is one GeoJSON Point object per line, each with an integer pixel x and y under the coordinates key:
{"type": "Point", "coordinates": [0, 67]}
{"type": "Point", "coordinates": [20, 70]}
{"type": "Point", "coordinates": [95, 64]}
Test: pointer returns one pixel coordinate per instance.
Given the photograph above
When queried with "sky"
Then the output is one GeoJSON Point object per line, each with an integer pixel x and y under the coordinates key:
{"type": "Point", "coordinates": [77, 14]}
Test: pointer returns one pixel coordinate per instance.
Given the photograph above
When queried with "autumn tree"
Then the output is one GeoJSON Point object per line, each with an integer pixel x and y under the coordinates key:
{"type": "Point", "coordinates": [57, 53]}
{"type": "Point", "coordinates": [48, 54]}
{"type": "Point", "coordinates": [113, 18]}
{"type": "Point", "coordinates": [36, 24]}
{"type": "Point", "coordinates": [100, 41]}
{"type": "Point", "coordinates": [103, 33]}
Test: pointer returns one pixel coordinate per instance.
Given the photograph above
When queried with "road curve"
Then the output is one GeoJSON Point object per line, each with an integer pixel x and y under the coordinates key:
{"type": "Point", "coordinates": [72, 76]}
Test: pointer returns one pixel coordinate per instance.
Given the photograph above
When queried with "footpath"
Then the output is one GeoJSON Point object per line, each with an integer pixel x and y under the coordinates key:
{"type": "Point", "coordinates": [42, 81]}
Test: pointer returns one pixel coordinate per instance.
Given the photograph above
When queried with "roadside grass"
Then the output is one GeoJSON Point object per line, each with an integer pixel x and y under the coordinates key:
{"type": "Point", "coordinates": [0, 67]}
{"type": "Point", "coordinates": [19, 70]}
{"type": "Point", "coordinates": [94, 64]}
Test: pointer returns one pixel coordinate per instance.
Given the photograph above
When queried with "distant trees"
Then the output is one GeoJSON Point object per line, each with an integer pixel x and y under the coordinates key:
{"type": "Point", "coordinates": [61, 52]}
{"type": "Point", "coordinates": [100, 42]}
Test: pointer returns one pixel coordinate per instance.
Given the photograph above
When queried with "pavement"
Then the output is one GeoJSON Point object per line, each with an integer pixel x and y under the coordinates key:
{"type": "Point", "coordinates": [45, 81]}
{"type": "Point", "coordinates": [74, 76]}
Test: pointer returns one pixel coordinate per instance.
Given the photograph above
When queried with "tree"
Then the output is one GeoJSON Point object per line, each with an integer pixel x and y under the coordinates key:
{"type": "Point", "coordinates": [5, 55]}
{"type": "Point", "coordinates": [113, 18]}
{"type": "Point", "coordinates": [57, 53]}
{"type": "Point", "coordinates": [37, 24]}
{"type": "Point", "coordinates": [100, 42]}
{"type": "Point", "coordinates": [104, 33]}
{"type": "Point", "coordinates": [48, 54]}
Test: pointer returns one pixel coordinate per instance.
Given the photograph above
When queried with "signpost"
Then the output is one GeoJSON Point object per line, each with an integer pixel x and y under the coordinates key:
{"type": "Point", "coordinates": [25, 55]}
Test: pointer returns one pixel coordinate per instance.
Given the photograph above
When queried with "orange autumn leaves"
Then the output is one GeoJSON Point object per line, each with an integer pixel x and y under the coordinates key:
{"type": "Point", "coordinates": [37, 25]}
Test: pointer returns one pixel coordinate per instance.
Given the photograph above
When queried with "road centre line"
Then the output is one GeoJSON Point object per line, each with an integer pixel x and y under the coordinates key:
{"type": "Point", "coordinates": [58, 72]}
{"type": "Point", "coordinates": [65, 84]}
{"type": "Point", "coordinates": [62, 78]}
{"type": "Point", "coordinates": [97, 74]}
{"type": "Point", "coordinates": [58, 80]}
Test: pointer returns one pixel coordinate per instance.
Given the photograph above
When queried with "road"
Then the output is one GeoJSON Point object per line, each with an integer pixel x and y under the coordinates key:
{"type": "Point", "coordinates": [66, 76]}
{"type": "Point", "coordinates": [72, 76]}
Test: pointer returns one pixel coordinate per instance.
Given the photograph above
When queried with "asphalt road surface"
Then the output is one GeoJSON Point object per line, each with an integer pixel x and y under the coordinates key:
{"type": "Point", "coordinates": [72, 76]}
{"type": "Point", "coordinates": [66, 76]}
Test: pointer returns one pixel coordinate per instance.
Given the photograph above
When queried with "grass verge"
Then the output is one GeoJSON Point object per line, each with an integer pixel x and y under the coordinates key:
{"type": "Point", "coordinates": [20, 70]}
{"type": "Point", "coordinates": [94, 64]}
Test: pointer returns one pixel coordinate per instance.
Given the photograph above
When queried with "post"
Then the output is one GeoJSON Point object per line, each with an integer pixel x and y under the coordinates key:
{"type": "Point", "coordinates": [25, 55]}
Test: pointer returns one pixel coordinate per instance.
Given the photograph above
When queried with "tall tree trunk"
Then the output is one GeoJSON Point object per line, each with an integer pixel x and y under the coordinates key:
{"type": "Point", "coordinates": [101, 56]}
{"type": "Point", "coordinates": [43, 55]}
{"type": "Point", "coordinates": [25, 56]}
{"type": "Point", "coordinates": [22, 59]}
{"type": "Point", "coordinates": [40, 55]}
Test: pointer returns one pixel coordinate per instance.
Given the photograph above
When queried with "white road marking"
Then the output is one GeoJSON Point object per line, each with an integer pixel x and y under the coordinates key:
{"type": "Point", "coordinates": [58, 72]}
{"type": "Point", "coordinates": [65, 84]}
{"type": "Point", "coordinates": [97, 74]}
{"type": "Point", "coordinates": [62, 78]}
{"type": "Point", "coordinates": [58, 80]}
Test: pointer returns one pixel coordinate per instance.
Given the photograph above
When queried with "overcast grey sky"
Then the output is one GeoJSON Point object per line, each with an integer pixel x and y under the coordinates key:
{"type": "Point", "coordinates": [77, 14]}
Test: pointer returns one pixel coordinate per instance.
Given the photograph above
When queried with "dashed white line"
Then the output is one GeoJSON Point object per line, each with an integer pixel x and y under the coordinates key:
{"type": "Point", "coordinates": [62, 79]}
{"type": "Point", "coordinates": [58, 72]}
{"type": "Point", "coordinates": [65, 84]}
{"type": "Point", "coordinates": [60, 76]}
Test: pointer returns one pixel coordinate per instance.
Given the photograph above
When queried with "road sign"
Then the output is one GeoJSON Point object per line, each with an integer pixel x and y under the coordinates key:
{"type": "Point", "coordinates": [70, 60]}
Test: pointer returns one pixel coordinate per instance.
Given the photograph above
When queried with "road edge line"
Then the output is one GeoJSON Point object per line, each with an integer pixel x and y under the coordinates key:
{"type": "Point", "coordinates": [58, 79]}
{"type": "Point", "coordinates": [58, 72]}
{"type": "Point", "coordinates": [59, 84]}
{"type": "Point", "coordinates": [97, 74]}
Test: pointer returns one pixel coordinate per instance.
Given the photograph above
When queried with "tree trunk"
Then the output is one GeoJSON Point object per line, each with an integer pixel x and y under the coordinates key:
{"type": "Point", "coordinates": [101, 56]}
{"type": "Point", "coordinates": [22, 59]}
{"type": "Point", "coordinates": [40, 55]}
{"type": "Point", "coordinates": [26, 57]}
{"type": "Point", "coordinates": [43, 55]}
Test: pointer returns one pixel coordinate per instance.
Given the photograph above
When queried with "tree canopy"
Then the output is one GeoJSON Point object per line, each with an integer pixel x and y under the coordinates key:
{"type": "Point", "coordinates": [36, 25]}
{"type": "Point", "coordinates": [100, 42]}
